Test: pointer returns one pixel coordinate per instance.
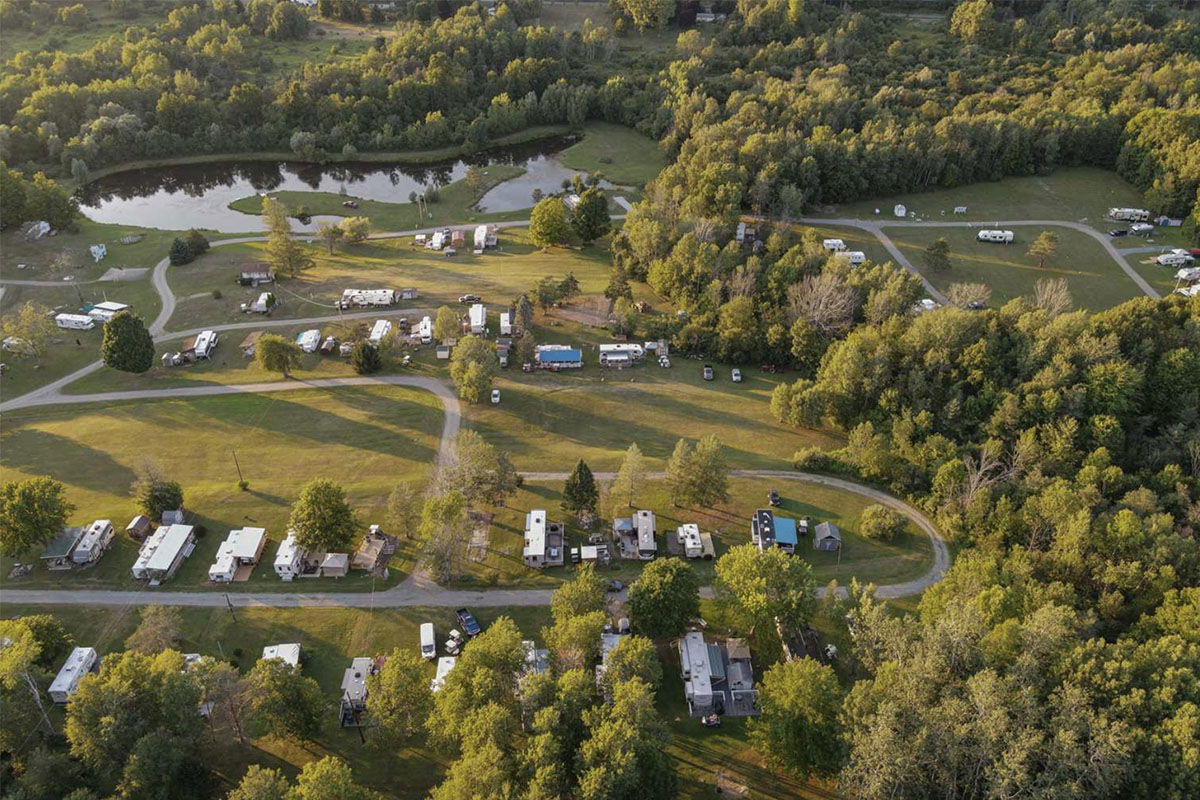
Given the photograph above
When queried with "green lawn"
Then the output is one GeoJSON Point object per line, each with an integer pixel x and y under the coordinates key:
{"type": "Point", "coordinates": [366, 438]}
{"type": "Point", "coordinates": [729, 524]}
{"type": "Point", "coordinates": [620, 154]}
{"type": "Point", "coordinates": [1161, 278]}
{"type": "Point", "coordinates": [1096, 282]}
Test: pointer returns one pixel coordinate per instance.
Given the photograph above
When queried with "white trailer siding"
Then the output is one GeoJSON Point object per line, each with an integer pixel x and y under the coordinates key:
{"type": "Point", "coordinates": [444, 666]}
{"type": "Point", "coordinates": [80, 662]}
{"type": "Point", "coordinates": [206, 342]}
{"type": "Point", "coordinates": [288, 558]}
{"type": "Point", "coordinates": [103, 312]}
{"type": "Point", "coordinates": [428, 640]}
{"type": "Point", "coordinates": [1129, 214]}
{"type": "Point", "coordinates": [643, 521]}
{"type": "Point", "coordinates": [1000, 237]}
{"type": "Point", "coordinates": [833, 244]}
{"type": "Point", "coordinates": [309, 341]}
{"type": "Point", "coordinates": [94, 542]}
{"type": "Point", "coordinates": [425, 330]}
{"type": "Point", "coordinates": [477, 315]}
{"type": "Point", "coordinates": [1177, 258]}
{"type": "Point", "coordinates": [368, 297]}
{"type": "Point", "coordinates": [505, 323]}
{"type": "Point", "coordinates": [379, 331]}
{"type": "Point", "coordinates": [77, 322]}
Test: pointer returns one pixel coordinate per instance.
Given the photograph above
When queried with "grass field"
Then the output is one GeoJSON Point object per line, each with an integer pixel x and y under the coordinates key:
{"type": "Point", "coordinates": [1096, 282]}
{"type": "Point", "coordinates": [729, 524]}
{"type": "Point", "coordinates": [620, 154]}
{"type": "Point", "coordinates": [366, 438]}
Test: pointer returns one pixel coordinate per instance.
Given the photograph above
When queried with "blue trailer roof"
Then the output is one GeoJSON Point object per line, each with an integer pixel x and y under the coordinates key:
{"type": "Point", "coordinates": [785, 530]}
{"type": "Point", "coordinates": [569, 354]}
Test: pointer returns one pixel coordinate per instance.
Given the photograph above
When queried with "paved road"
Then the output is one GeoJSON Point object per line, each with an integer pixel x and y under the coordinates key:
{"type": "Point", "coordinates": [876, 228]}
{"type": "Point", "coordinates": [419, 591]}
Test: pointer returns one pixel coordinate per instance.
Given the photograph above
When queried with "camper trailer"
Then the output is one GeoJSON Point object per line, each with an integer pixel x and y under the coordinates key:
{"type": "Point", "coordinates": [367, 297]}
{"type": "Point", "coordinates": [379, 332]}
{"type": "Point", "coordinates": [1129, 214]}
{"type": "Point", "coordinates": [855, 257]}
{"type": "Point", "coordinates": [477, 315]}
{"type": "Point", "coordinates": [163, 552]}
{"type": "Point", "coordinates": [1141, 229]}
{"type": "Point", "coordinates": [241, 548]}
{"type": "Point", "coordinates": [103, 312]}
{"type": "Point", "coordinates": [206, 342]}
{"type": "Point", "coordinates": [309, 340]}
{"type": "Point", "coordinates": [481, 233]}
{"type": "Point", "coordinates": [437, 241]}
{"type": "Point", "coordinates": [76, 322]}
{"type": "Point", "coordinates": [95, 540]}
{"type": "Point", "coordinates": [689, 539]}
{"type": "Point", "coordinates": [80, 662]}
{"type": "Point", "coordinates": [428, 641]}
{"type": "Point", "coordinates": [833, 245]}
{"type": "Point", "coordinates": [289, 558]}
{"type": "Point", "coordinates": [505, 323]}
{"type": "Point", "coordinates": [998, 237]}
{"type": "Point", "coordinates": [643, 522]}
{"type": "Point", "coordinates": [425, 330]}
{"type": "Point", "coordinates": [1175, 258]}
{"type": "Point", "coordinates": [444, 666]}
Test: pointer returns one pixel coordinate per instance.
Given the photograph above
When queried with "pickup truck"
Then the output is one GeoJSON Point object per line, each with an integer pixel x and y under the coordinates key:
{"type": "Point", "coordinates": [468, 622]}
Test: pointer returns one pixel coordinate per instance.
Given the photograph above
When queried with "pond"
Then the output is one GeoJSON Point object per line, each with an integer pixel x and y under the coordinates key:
{"type": "Point", "coordinates": [198, 195]}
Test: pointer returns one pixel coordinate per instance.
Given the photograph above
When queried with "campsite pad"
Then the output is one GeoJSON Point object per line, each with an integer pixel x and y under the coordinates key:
{"type": "Point", "coordinates": [480, 524]}
{"type": "Point", "coordinates": [243, 572]}
{"type": "Point", "coordinates": [123, 274]}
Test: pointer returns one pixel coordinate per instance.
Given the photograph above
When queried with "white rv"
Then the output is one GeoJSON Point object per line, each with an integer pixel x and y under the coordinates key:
{"type": "Point", "coordinates": [444, 666]}
{"type": "Point", "coordinates": [689, 538]}
{"type": "Point", "coordinates": [163, 552]}
{"type": "Point", "coordinates": [481, 237]}
{"type": "Point", "coordinates": [428, 641]}
{"type": "Point", "coordinates": [95, 540]}
{"type": "Point", "coordinates": [833, 245]}
{"type": "Point", "coordinates": [855, 257]}
{"type": "Point", "coordinates": [437, 241]}
{"type": "Point", "coordinates": [80, 662]}
{"type": "Point", "coordinates": [1141, 229]}
{"type": "Point", "coordinates": [368, 297]}
{"type": "Point", "coordinates": [1175, 258]}
{"type": "Point", "coordinates": [477, 315]}
{"type": "Point", "coordinates": [289, 558]}
{"type": "Point", "coordinates": [643, 522]}
{"type": "Point", "coordinates": [206, 342]}
{"type": "Point", "coordinates": [309, 341]}
{"type": "Point", "coordinates": [103, 312]}
{"type": "Point", "coordinates": [379, 332]}
{"type": "Point", "coordinates": [77, 322]}
{"type": "Point", "coordinates": [1129, 214]}
{"type": "Point", "coordinates": [1000, 237]}
{"type": "Point", "coordinates": [425, 330]}
{"type": "Point", "coordinates": [505, 323]}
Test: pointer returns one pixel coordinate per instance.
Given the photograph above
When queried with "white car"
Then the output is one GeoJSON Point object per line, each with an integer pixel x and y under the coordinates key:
{"type": "Point", "coordinates": [736, 375]}
{"type": "Point", "coordinates": [495, 397]}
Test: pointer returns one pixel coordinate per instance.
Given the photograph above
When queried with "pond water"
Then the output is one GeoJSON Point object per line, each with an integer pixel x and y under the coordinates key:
{"type": "Point", "coordinates": [198, 195]}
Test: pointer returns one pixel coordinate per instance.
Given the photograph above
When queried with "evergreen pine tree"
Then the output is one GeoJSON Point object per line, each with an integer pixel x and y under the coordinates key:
{"type": "Point", "coordinates": [580, 493]}
{"type": "Point", "coordinates": [127, 345]}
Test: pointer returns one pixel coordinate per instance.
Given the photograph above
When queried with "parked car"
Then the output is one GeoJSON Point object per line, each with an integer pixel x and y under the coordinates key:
{"type": "Point", "coordinates": [470, 298]}
{"type": "Point", "coordinates": [615, 585]}
{"type": "Point", "coordinates": [771, 368]}
{"type": "Point", "coordinates": [454, 643]}
{"type": "Point", "coordinates": [1116, 232]}
{"type": "Point", "coordinates": [736, 375]}
{"type": "Point", "coordinates": [1195, 251]}
{"type": "Point", "coordinates": [495, 397]}
{"type": "Point", "coordinates": [976, 305]}
{"type": "Point", "coordinates": [773, 499]}
{"type": "Point", "coordinates": [468, 622]}
{"type": "Point", "coordinates": [708, 372]}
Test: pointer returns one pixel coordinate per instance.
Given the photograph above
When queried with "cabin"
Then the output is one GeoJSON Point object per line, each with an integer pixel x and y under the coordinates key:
{"type": "Point", "coordinates": [556, 356]}
{"type": "Point", "coordinates": [237, 555]}
{"type": "Point", "coordinates": [647, 547]}
{"type": "Point", "coordinates": [477, 318]}
{"type": "Point", "coordinates": [287, 653]}
{"type": "Point", "coordinates": [827, 537]}
{"type": "Point", "coordinates": [104, 312]}
{"type": "Point", "coordinates": [309, 340]}
{"type": "Point", "coordinates": [444, 667]}
{"type": "Point", "coordinates": [139, 528]}
{"type": "Point", "coordinates": [689, 538]}
{"type": "Point", "coordinates": [163, 552]}
{"type": "Point", "coordinates": [57, 555]}
{"type": "Point", "coordinates": [354, 691]}
{"type": "Point", "coordinates": [94, 542]}
{"type": "Point", "coordinates": [81, 661]}
{"type": "Point", "coordinates": [289, 558]}
{"type": "Point", "coordinates": [543, 541]}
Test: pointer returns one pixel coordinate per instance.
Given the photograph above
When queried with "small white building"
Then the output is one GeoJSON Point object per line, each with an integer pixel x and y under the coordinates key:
{"type": "Point", "coordinates": [80, 662]}
{"type": "Point", "coordinates": [379, 331]}
{"type": "Point", "coordinates": [95, 541]}
{"type": "Point", "coordinates": [643, 523]}
{"type": "Point", "coordinates": [477, 316]}
{"type": "Point", "coordinates": [689, 539]}
{"type": "Point", "coordinates": [444, 666]}
{"type": "Point", "coordinates": [242, 547]}
{"type": "Point", "coordinates": [997, 237]}
{"type": "Point", "coordinates": [289, 558]}
{"type": "Point", "coordinates": [309, 340]}
{"type": "Point", "coordinates": [103, 312]}
{"type": "Point", "coordinates": [75, 322]}
{"type": "Point", "coordinates": [287, 653]}
{"type": "Point", "coordinates": [505, 323]}
{"type": "Point", "coordinates": [833, 245]}
{"type": "Point", "coordinates": [163, 552]}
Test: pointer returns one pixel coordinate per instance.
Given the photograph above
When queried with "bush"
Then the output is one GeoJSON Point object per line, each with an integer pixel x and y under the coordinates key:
{"type": "Point", "coordinates": [813, 459]}
{"type": "Point", "coordinates": [881, 523]}
{"type": "Point", "coordinates": [216, 294]}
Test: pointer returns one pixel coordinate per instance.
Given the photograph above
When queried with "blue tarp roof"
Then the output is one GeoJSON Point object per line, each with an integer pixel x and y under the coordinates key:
{"type": "Point", "coordinates": [785, 530]}
{"type": "Point", "coordinates": [569, 354]}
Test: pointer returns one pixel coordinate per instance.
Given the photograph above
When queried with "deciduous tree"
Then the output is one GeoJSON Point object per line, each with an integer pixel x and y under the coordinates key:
{"type": "Point", "coordinates": [355, 229]}
{"type": "Point", "coordinates": [274, 353]}
{"type": "Point", "coordinates": [631, 477]}
{"type": "Point", "coordinates": [365, 358]}
{"type": "Point", "coordinates": [479, 471]}
{"type": "Point", "coordinates": [548, 223]}
{"type": "Point", "coordinates": [155, 494]}
{"type": "Point", "coordinates": [798, 728]}
{"type": "Point", "coordinates": [32, 512]}
{"type": "Point", "coordinates": [282, 700]}
{"type": "Point", "coordinates": [590, 219]}
{"type": "Point", "coordinates": [445, 324]}
{"type": "Point", "coordinates": [937, 255]}
{"type": "Point", "coordinates": [664, 599]}
{"type": "Point", "coordinates": [400, 700]}
{"type": "Point", "coordinates": [1043, 248]}
{"type": "Point", "coordinates": [472, 367]}
{"type": "Point", "coordinates": [761, 587]}
{"type": "Point", "coordinates": [321, 517]}
{"type": "Point", "coordinates": [158, 630]}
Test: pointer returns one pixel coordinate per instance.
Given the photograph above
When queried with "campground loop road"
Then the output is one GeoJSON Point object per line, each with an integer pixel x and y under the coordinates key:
{"type": "Point", "coordinates": [875, 227]}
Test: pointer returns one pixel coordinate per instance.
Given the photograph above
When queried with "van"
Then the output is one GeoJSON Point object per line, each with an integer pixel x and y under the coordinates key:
{"type": "Point", "coordinates": [428, 641]}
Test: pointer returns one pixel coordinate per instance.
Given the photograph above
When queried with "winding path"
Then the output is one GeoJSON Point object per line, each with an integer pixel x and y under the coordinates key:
{"type": "Point", "coordinates": [876, 229]}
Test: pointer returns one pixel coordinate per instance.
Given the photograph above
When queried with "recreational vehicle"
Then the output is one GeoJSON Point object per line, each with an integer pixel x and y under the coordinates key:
{"type": "Point", "coordinates": [855, 257]}
{"type": "Point", "coordinates": [1129, 214]}
{"type": "Point", "coordinates": [999, 237]}
{"type": "Point", "coordinates": [309, 341]}
{"type": "Point", "coordinates": [289, 558]}
{"type": "Point", "coordinates": [163, 552]}
{"type": "Point", "coordinates": [643, 522]}
{"type": "Point", "coordinates": [77, 322]}
{"type": "Point", "coordinates": [242, 547]}
{"type": "Point", "coordinates": [505, 323]}
{"type": "Point", "coordinates": [477, 315]}
{"type": "Point", "coordinates": [80, 662]}
{"type": "Point", "coordinates": [481, 235]}
{"type": "Point", "coordinates": [206, 342]}
{"type": "Point", "coordinates": [833, 245]}
{"type": "Point", "coordinates": [425, 330]}
{"type": "Point", "coordinates": [379, 331]}
{"type": "Point", "coordinates": [103, 312]}
{"type": "Point", "coordinates": [689, 539]}
{"type": "Point", "coordinates": [367, 297]}
{"type": "Point", "coordinates": [444, 666]}
{"type": "Point", "coordinates": [95, 540]}
{"type": "Point", "coordinates": [1175, 258]}
{"type": "Point", "coordinates": [263, 305]}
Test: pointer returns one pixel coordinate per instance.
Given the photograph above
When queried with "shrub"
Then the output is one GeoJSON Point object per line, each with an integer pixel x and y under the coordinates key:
{"type": "Point", "coordinates": [881, 523]}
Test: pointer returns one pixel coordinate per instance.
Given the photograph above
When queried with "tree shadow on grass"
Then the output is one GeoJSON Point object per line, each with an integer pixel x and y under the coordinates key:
{"type": "Point", "coordinates": [36, 451]}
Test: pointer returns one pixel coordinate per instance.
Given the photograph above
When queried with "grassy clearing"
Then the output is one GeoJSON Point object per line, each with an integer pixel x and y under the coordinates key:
{"type": "Point", "coordinates": [1096, 282]}
{"type": "Point", "coordinates": [1161, 278]}
{"type": "Point", "coordinates": [1082, 194]}
{"type": "Point", "coordinates": [620, 154]}
{"type": "Point", "coordinates": [367, 438]}
{"type": "Point", "coordinates": [453, 207]}
{"type": "Point", "coordinates": [729, 524]}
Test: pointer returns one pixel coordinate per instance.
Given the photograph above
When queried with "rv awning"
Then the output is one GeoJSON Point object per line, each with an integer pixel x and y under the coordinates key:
{"type": "Point", "coordinates": [62, 545]}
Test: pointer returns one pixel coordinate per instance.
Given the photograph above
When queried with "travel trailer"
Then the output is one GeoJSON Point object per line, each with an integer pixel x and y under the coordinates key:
{"type": "Point", "coordinates": [999, 237]}
{"type": "Point", "coordinates": [1175, 258]}
{"type": "Point", "coordinates": [206, 342]}
{"type": "Point", "coordinates": [103, 312]}
{"type": "Point", "coordinates": [309, 341]}
{"type": "Point", "coordinates": [379, 332]}
{"type": "Point", "coordinates": [1129, 214]}
{"type": "Point", "coordinates": [425, 330]}
{"type": "Point", "coordinates": [834, 244]}
{"type": "Point", "coordinates": [77, 322]}
{"type": "Point", "coordinates": [80, 662]}
{"type": "Point", "coordinates": [367, 297]}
